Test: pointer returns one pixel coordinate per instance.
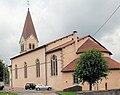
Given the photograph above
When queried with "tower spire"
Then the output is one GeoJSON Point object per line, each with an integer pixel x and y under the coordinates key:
{"type": "Point", "coordinates": [29, 27]}
{"type": "Point", "coordinates": [28, 38]}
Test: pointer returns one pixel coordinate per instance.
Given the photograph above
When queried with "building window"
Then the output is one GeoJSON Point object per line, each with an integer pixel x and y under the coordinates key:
{"type": "Point", "coordinates": [22, 47]}
{"type": "Point", "coordinates": [25, 70]}
{"type": "Point", "coordinates": [16, 72]}
{"type": "Point", "coordinates": [54, 69]}
{"type": "Point", "coordinates": [37, 68]}
{"type": "Point", "coordinates": [33, 46]}
{"type": "Point", "coordinates": [75, 80]}
{"type": "Point", "coordinates": [29, 45]}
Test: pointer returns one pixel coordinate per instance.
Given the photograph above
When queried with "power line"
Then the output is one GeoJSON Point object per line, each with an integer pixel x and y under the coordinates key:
{"type": "Point", "coordinates": [46, 62]}
{"type": "Point", "coordinates": [106, 20]}
{"type": "Point", "coordinates": [35, 65]}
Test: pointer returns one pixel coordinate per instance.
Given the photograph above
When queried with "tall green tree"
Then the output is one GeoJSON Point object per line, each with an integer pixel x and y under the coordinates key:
{"type": "Point", "coordinates": [91, 67]}
{"type": "Point", "coordinates": [1, 70]}
{"type": "Point", "coordinates": [4, 73]}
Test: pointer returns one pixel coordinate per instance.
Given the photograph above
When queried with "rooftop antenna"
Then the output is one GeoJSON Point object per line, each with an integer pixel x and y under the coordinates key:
{"type": "Point", "coordinates": [28, 4]}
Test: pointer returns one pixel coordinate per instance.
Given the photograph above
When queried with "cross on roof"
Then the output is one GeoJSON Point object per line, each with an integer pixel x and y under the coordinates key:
{"type": "Point", "coordinates": [28, 4]}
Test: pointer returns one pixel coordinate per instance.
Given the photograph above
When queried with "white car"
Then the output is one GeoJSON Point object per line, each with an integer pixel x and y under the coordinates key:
{"type": "Point", "coordinates": [41, 86]}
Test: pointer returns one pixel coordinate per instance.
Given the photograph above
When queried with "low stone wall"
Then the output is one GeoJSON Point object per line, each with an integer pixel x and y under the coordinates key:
{"type": "Point", "coordinates": [101, 92]}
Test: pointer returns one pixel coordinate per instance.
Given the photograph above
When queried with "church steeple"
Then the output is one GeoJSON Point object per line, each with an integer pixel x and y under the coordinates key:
{"type": "Point", "coordinates": [28, 38]}
{"type": "Point", "coordinates": [29, 27]}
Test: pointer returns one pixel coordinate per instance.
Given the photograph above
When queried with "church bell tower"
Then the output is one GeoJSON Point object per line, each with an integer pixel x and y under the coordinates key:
{"type": "Point", "coordinates": [28, 40]}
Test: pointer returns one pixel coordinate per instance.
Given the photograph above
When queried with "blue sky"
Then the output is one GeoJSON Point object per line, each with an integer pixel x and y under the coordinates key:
{"type": "Point", "coordinates": [56, 18]}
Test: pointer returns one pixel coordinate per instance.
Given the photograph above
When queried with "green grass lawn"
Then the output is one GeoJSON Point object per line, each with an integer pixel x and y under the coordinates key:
{"type": "Point", "coordinates": [66, 93]}
{"type": "Point", "coordinates": [4, 93]}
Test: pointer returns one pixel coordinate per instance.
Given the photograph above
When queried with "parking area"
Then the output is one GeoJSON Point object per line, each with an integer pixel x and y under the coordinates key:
{"type": "Point", "coordinates": [22, 91]}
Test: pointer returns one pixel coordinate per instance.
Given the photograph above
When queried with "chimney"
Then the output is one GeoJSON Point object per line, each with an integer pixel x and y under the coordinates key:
{"type": "Point", "coordinates": [75, 39]}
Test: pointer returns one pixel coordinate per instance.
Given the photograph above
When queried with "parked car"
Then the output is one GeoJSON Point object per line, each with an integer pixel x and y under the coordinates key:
{"type": "Point", "coordinates": [1, 85]}
{"type": "Point", "coordinates": [41, 87]}
{"type": "Point", "coordinates": [30, 86]}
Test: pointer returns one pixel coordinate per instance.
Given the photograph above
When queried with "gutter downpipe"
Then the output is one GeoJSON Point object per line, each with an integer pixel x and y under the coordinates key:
{"type": "Point", "coordinates": [45, 67]}
{"type": "Point", "coordinates": [11, 75]}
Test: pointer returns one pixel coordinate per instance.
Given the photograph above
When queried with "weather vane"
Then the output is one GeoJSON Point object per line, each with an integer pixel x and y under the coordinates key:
{"type": "Point", "coordinates": [28, 4]}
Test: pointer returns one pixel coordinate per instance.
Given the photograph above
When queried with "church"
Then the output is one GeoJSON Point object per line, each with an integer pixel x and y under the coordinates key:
{"type": "Point", "coordinates": [54, 62]}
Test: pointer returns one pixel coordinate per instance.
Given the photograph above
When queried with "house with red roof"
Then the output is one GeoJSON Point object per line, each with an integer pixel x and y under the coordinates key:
{"type": "Point", "coordinates": [54, 63]}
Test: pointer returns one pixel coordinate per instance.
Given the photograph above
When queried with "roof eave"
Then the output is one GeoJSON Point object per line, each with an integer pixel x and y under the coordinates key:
{"type": "Point", "coordinates": [101, 51]}
{"type": "Point", "coordinates": [28, 52]}
{"type": "Point", "coordinates": [69, 71]}
{"type": "Point", "coordinates": [114, 68]}
{"type": "Point", "coordinates": [53, 50]}
{"type": "Point", "coordinates": [59, 39]}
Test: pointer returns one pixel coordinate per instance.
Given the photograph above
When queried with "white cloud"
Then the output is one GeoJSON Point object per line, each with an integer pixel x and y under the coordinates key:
{"type": "Point", "coordinates": [56, 18]}
{"type": "Point", "coordinates": [111, 40]}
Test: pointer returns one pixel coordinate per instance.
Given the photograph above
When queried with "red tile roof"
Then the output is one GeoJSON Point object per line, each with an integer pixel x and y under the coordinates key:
{"type": "Point", "coordinates": [71, 66]}
{"type": "Point", "coordinates": [66, 37]}
{"type": "Point", "coordinates": [61, 46]}
{"type": "Point", "coordinates": [65, 44]}
{"type": "Point", "coordinates": [29, 27]}
{"type": "Point", "coordinates": [89, 44]}
{"type": "Point", "coordinates": [112, 64]}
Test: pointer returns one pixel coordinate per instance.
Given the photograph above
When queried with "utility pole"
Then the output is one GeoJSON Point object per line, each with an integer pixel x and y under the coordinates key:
{"type": "Point", "coordinates": [46, 80]}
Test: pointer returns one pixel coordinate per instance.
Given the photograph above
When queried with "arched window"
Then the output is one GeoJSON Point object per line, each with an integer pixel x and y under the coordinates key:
{"type": "Point", "coordinates": [33, 46]}
{"type": "Point", "coordinates": [29, 45]}
{"type": "Point", "coordinates": [16, 72]}
{"type": "Point", "coordinates": [54, 69]}
{"type": "Point", "coordinates": [22, 47]}
{"type": "Point", "coordinates": [37, 68]}
{"type": "Point", "coordinates": [25, 70]}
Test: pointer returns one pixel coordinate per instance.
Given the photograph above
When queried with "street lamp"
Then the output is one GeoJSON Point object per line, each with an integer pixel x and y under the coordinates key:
{"type": "Point", "coordinates": [3, 62]}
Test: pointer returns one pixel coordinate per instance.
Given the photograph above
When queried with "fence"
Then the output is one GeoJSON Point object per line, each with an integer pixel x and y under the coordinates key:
{"type": "Point", "coordinates": [101, 92]}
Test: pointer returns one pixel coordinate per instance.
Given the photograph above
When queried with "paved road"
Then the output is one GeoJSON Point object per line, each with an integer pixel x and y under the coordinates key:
{"type": "Point", "coordinates": [21, 91]}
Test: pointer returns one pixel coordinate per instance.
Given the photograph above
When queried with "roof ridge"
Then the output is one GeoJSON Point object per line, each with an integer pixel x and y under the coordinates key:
{"type": "Point", "coordinates": [59, 39]}
{"type": "Point", "coordinates": [66, 42]}
{"type": "Point", "coordinates": [100, 44]}
{"type": "Point", "coordinates": [83, 37]}
{"type": "Point", "coordinates": [61, 46]}
{"type": "Point", "coordinates": [93, 42]}
{"type": "Point", "coordinates": [67, 36]}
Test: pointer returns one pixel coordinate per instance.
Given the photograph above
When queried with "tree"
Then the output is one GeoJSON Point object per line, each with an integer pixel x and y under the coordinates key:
{"type": "Point", "coordinates": [1, 70]}
{"type": "Point", "coordinates": [91, 67]}
{"type": "Point", "coordinates": [4, 73]}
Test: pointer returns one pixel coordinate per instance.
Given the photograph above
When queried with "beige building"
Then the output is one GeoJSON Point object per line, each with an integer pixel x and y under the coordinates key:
{"type": "Point", "coordinates": [54, 63]}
